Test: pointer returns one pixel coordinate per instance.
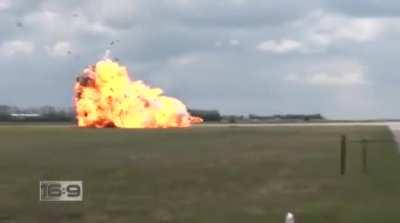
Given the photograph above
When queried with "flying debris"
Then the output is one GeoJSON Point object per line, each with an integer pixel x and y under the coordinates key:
{"type": "Point", "coordinates": [19, 24]}
{"type": "Point", "coordinates": [114, 42]}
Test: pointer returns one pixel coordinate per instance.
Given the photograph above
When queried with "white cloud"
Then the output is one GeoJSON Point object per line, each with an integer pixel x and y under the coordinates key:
{"type": "Point", "coordinates": [218, 44]}
{"type": "Point", "coordinates": [292, 77]}
{"type": "Point", "coordinates": [335, 74]}
{"type": "Point", "coordinates": [109, 13]}
{"type": "Point", "coordinates": [184, 60]}
{"type": "Point", "coordinates": [227, 43]}
{"type": "Point", "coordinates": [282, 46]}
{"type": "Point", "coordinates": [61, 48]}
{"type": "Point", "coordinates": [239, 2]}
{"type": "Point", "coordinates": [326, 28]}
{"type": "Point", "coordinates": [43, 18]}
{"type": "Point", "coordinates": [17, 47]}
{"type": "Point", "coordinates": [331, 79]}
{"type": "Point", "coordinates": [184, 2]}
{"type": "Point", "coordinates": [5, 4]}
{"type": "Point", "coordinates": [234, 42]}
{"type": "Point", "coordinates": [55, 22]}
{"type": "Point", "coordinates": [93, 27]}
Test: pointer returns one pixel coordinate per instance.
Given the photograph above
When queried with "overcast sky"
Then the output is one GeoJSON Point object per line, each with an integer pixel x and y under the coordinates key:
{"type": "Point", "coordinates": [335, 57]}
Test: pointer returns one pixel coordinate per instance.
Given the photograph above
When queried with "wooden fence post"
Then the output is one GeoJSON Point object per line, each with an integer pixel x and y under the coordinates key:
{"type": "Point", "coordinates": [343, 155]}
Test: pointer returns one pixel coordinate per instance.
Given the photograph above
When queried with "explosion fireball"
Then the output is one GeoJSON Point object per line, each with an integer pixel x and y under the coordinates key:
{"type": "Point", "coordinates": [105, 96]}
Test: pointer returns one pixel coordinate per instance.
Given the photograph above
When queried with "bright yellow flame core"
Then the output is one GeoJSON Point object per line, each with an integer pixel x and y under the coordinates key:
{"type": "Point", "coordinates": [106, 97]}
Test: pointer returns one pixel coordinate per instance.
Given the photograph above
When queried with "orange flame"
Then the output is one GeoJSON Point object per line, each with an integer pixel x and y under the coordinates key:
{"type": "Point", "coordinates": [106, 97]}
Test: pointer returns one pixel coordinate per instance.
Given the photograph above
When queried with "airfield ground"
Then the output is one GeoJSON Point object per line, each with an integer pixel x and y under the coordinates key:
{"type": "Point", "coordinates": [201, 174]}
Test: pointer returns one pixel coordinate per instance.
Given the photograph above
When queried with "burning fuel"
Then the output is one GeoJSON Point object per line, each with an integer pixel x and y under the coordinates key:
{"type": "Point", "coordinates": [105, 96]}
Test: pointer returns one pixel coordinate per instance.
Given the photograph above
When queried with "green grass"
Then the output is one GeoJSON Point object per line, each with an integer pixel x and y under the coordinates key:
{"type": "Point", "coordinates": [227, 174]}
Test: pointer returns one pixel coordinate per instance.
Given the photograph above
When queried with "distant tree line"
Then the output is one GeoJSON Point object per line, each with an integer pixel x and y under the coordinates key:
{"type": "Point", "coordinates": [288, 117]}
{"type": "Point", "coordinates": [206, 115]}
{"type": "Point", "coordinates": [39, 114]}
{"type": "Point", "coordinates": [55, 114]}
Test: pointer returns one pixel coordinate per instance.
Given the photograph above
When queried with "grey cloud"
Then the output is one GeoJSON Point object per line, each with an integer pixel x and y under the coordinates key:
{"type": "Point", "coordinates": [237, 13]}
{"type": "Point", "coordinates": [172, 44]}
{"type": "Point", "coordinates": [364, 8]}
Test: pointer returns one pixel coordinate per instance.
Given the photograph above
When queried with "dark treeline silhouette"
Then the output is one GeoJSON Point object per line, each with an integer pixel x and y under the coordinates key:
{"type": "Point", "coordinates": [288, 117]}
{"type": "Point", "coordinates": [206, 115]}
{"type": "Point", "coordinates": [37, 114]}
{"type": "Point", "coordinates": [55, 114]}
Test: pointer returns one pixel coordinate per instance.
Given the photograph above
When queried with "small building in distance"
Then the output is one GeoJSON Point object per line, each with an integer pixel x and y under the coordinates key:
{"type": "Point", "coordinates": [36, 114]}
{"type": "Point", "coordinates": [25, 115]}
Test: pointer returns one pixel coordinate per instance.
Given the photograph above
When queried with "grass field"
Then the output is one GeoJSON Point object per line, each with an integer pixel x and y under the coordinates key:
{"type": "Point", "coordinates": [225, 174]}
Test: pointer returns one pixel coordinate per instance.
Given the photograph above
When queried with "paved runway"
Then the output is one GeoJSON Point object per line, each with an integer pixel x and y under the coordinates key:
{"type": "Point", "coordinates": [393, 126]}
{"type": "Point", "coordinates": [301, 124]}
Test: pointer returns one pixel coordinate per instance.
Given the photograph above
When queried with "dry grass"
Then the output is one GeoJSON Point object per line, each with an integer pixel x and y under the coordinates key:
{"type": "Point", "coordinates": [198, 175]}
